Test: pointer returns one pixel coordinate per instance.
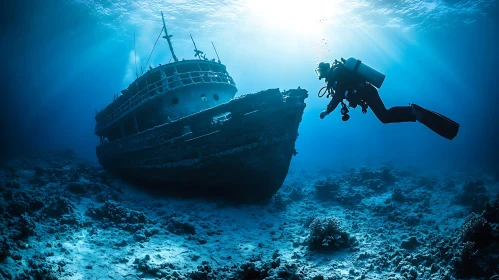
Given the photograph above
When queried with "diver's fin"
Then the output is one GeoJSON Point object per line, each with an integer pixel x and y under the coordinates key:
{"type": "Point", "coordinates": [442, 125]}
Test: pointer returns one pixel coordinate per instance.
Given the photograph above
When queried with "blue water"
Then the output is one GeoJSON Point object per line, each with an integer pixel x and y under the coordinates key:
{"type": "Point", "coordinates": [62, 60]}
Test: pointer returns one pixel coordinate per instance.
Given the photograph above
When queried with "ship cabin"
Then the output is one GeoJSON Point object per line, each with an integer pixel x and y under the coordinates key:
{"type": "Point", "coordinates": [164, 94]}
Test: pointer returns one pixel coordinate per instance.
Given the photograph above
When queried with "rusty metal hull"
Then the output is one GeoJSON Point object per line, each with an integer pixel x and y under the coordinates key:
{"type": "Point", "coordinates": [241, 149]}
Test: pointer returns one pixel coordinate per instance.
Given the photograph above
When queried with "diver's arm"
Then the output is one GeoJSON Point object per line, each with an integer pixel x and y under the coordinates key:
{"type": "Point", "coordinates": [336, 78]}
{"type": "Point", "coordinates": [331, 106]}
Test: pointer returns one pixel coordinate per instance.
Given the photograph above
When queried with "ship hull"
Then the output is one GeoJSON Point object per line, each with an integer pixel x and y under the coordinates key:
{"type": "Point", "coordinates": [240, 150]}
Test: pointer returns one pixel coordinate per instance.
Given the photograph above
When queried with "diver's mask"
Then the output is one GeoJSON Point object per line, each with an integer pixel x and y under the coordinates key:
{"type": "Point", "coordinates": [322, 70]}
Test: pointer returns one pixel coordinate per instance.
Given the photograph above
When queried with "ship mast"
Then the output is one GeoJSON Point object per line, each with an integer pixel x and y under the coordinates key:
{"type": "Point", "coordinates": [167, 37]}
{"type": "Point", "coordinates": [197, 52]}
{"type": "Point", "coordinates": [216, 52]}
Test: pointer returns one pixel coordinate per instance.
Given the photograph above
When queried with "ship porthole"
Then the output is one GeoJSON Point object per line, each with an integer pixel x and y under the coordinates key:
{"type": "Point", "coordinates": [216, 97]}
{"type": "Point", "coordinates": [174, 100]}
{"type": "Point", "coordinates": [203, 97]}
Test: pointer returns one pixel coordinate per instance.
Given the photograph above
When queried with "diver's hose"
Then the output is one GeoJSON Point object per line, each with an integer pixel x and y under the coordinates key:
{"type": "Point", "coordinates": [320, 90]}
{"type": "Point", "coordinates": [329, 92]}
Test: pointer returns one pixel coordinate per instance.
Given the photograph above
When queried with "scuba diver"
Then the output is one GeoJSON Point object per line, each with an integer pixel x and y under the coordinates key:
{"type": "Point", "coordinates": [356, 82]}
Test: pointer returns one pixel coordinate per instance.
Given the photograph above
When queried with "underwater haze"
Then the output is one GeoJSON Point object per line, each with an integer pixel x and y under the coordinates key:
{"type": "Point", "coordinates": [361, 199]}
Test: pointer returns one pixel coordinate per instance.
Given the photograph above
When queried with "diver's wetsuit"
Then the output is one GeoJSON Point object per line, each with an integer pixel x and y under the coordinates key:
{"type": "Point", "coordinates": [358, 91]}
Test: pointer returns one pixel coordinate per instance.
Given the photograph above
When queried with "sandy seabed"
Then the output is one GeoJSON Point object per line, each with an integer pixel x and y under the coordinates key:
{"type": "Point", "coordinates": [64, 219]}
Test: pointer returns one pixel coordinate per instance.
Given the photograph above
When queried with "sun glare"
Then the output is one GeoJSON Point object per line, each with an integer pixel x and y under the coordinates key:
{"type": "Point", "coordinates": [298, 16]}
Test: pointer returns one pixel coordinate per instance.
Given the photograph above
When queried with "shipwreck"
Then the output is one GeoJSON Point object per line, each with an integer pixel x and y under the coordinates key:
{"type": "Point", "coordinates": [179, 128]}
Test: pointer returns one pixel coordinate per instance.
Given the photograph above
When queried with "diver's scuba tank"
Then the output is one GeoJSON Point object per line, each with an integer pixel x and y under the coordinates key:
{"type": "Point", "coordinates": [365, 72]}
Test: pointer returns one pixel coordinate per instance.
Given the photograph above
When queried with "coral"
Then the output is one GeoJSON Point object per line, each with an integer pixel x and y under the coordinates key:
{"type": "Point", "coordinates": [383, 210]}
{"type": "Point", "coordinates": [86, 188]}
{"type": "Point", "coordinates": [404, 195]}
{"type": "Point", "coordinates": [22, 202]}
{"type": "Point", "coordinates": [410, 244]}
{"type": "Point", "coordinates": [38, 180]}
{"type": "Point", "coordinates": [392, 250]}
{"type": "Point", "coordinates": [468, 255]}
{"type": "Point", "coordinates": [366, 174]}
{"type": "Point", "coordinates": [148, 267]}
{"type": "Point", "coordinates": [76, 188]}
{"type": "Point", "coordinates": [4, 249]}
{"type": "Point", "coordinates": [412, 220]}
{"type": "Point", "coordinates": [398, 195]}
{"type": "Point", "coordinates": [474, 195]}
{"type": "Point", "coordinates": [325, 189]}
{"type": "Point", "coordinates": [376, 185]}
{"type": "Point", "coordinates": [349, 197]}
{"type": "Point", "coordinates": [13, 184]}
{"type": "Point", "coordinates": [69, 219]}
{"type": "Point", "coordinates": [256, 268]}
{"type": "Point", "coordinates": [151, 231]}
{"type": "Point", "coordinates": [292, 271]}
{"type": "Point", "coordinates": [35, 203]}
{"type": "Point", "coordinates": [386, 175]}
{"type": "Point", "coordinates": [250, 270]}
{"type": "Point", "coordinates": [107, 194]}
{"type": "Point", "coordinates": [491, 213]}
{"type": "Point", "coordinates": [140, 235]}
{"type": "Point", "coordinates": [113, 212]}
{"type": "Point", "coordinates": [296, 194]}
{"type": "Point", "coordinates": [307, 221]}
{"type": "Point", "coordinates": [426, 182]}
{"type": "Point", "coordinates": [40, 269]}
{"type": "Point", "coordinates": [204, 271]}
{"type": "Point", "coordinates": [475, 228]}
{"type": "Point", "coordinates": [17, 207]}
{"type": "Point", "coordinates": [10, 172]}
{"type": "Point", "coordinates": [73, 175]}
{"type": "Point", "coordinates": [39, 172]}
{"type": "Point", "coordinates": [279, 202]}
{"type": "Point", "coordinates": [477, 186]}
{"type": "Point", "coordinates": [58, 207]}
{"type": "Point", "coordinates": [101, 176]}
{"type": "Point", "coordinates": [478, 203]}
{"type": "Point", "coordinates": [331, 190]}
{"type": "Point", "coordinates": [21, 227]}
{"type": "Point", "coordinates": [476, 245]}
{"type": "Point", "coordinates": [449, 185]}
{"type": "Point", "coordinates": [180, 227]}
{"type": "Point", "coordinates": [327, 235]}
{"type": "Point", "coordinates": [377, 180]}
{"type": "Point", "coordinates": [6, 274]}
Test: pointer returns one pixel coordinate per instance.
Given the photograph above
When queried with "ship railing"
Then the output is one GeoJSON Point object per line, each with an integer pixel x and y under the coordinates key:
{"type": "Point", "coordinates": [169, 83]}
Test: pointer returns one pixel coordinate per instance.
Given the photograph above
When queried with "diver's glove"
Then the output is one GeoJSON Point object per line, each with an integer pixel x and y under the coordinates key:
{"type": "Point", "coordinates": [324, 114]}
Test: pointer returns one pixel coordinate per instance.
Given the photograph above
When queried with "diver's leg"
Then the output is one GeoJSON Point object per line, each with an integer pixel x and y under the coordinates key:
{"type": "Point", "coordinates": [392, 115]}
{"type": "Point", "coordinates": [441, 125]}
{"type": "Point", "coordinates": [401, 114]}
